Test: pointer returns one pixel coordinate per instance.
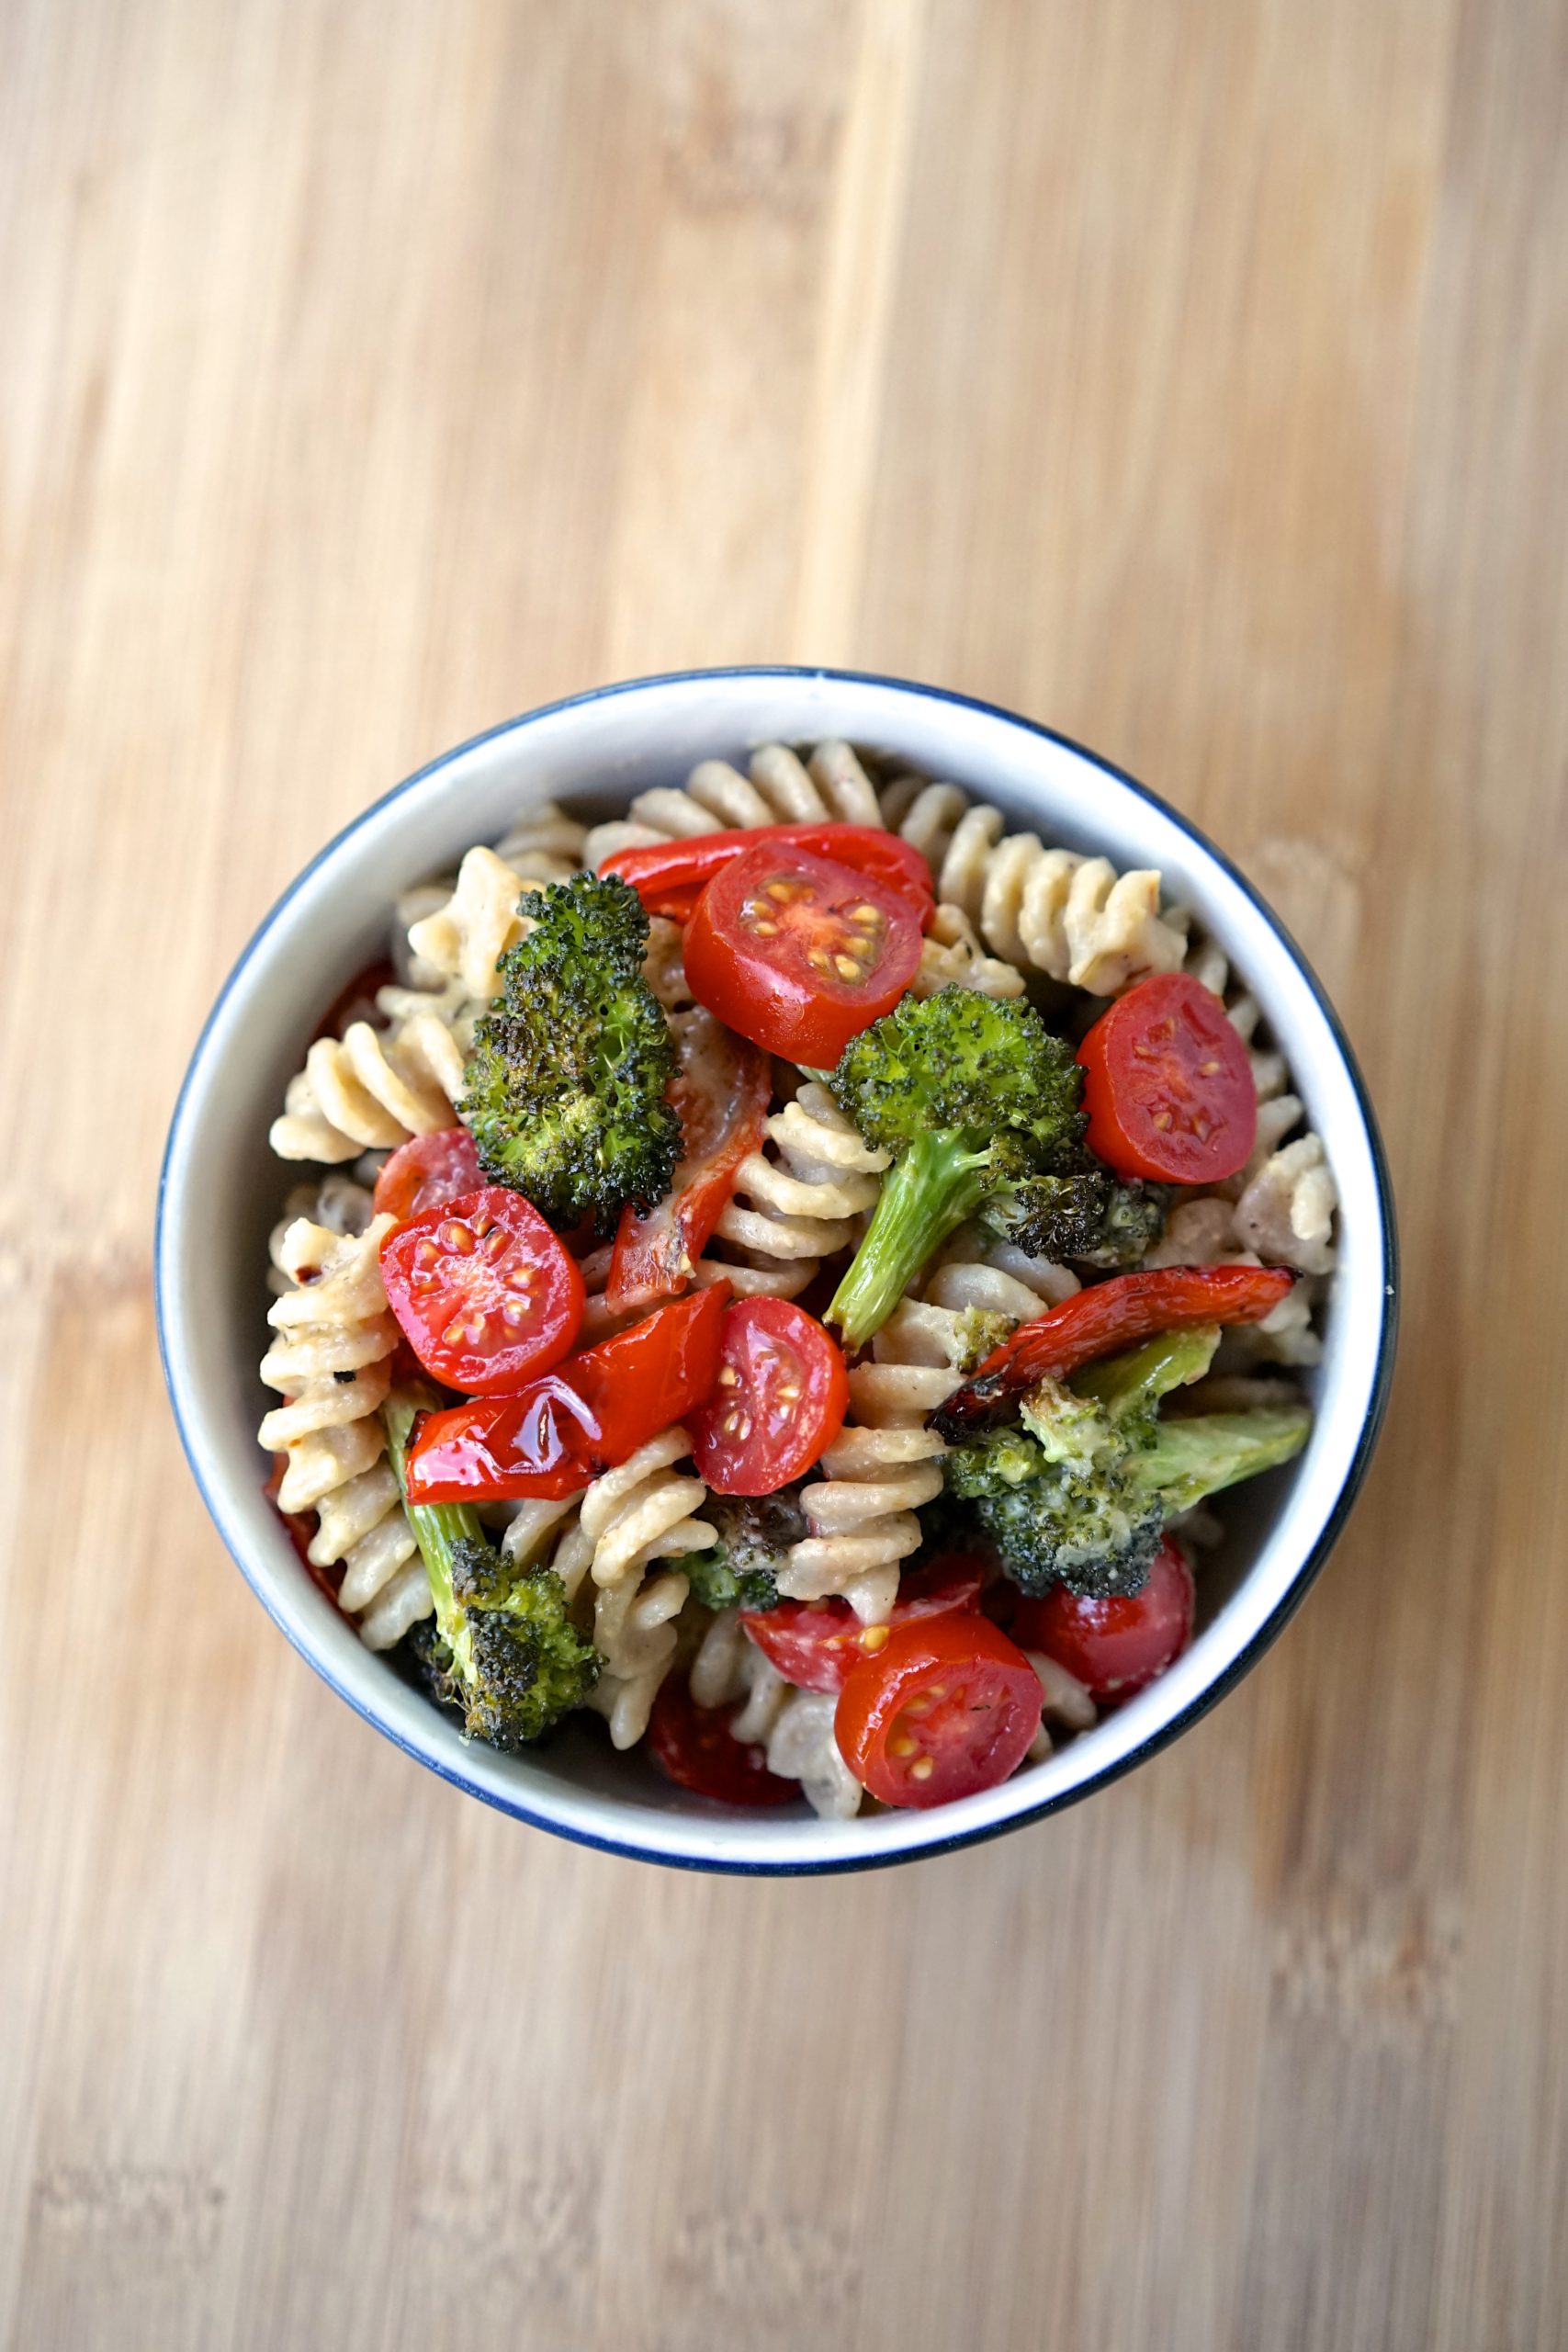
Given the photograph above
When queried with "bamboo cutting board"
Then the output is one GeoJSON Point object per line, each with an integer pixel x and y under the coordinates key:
{"type": "Point", "coordinates": [1193, 377]}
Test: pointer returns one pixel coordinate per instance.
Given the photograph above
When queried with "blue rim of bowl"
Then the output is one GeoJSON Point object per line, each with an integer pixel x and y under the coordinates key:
{"type": "Point", "coordinates": [1304, 1576]}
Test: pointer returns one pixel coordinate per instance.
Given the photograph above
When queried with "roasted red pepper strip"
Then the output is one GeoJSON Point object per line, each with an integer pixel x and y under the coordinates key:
{"type": "Point", "coordinates": [670, 877]}
{"type": "Point", "coordinates": [722, 1091]}
{"type": "Point", "coordinates": [557, 1435]}
{"type": "Point", "coordinates": [1106, 1317]}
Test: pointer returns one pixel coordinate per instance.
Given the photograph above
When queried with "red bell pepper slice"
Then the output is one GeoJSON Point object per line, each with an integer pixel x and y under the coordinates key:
{"type": "Point", "coordinates": [557, 1435]}
{"type": "Point", "coordinates": [671, 877]}
{"type": "Point", "coordinates": [1106, 1317]}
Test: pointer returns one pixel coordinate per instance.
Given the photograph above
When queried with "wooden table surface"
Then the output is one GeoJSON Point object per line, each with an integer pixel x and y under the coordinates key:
{"type": "Point", "coordinates": [1192, 374]}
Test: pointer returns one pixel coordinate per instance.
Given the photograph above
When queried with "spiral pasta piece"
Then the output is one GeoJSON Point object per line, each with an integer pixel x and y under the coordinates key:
{"type": "Point", "coordinates": [371, 1090]}
{"type": "Point", "coordinates": [798, 1199]}
{"type": "Point", "coordinates": [544, 845]}
{"type": "Point", "coordinates": [795, 1728]}
{"type": "Point", "coordinates": [779, 788]}
{"type": "Point", "coordinates": [884, 1465]}
{"type": "Point", "coordinates": [1207, 1232]}
{"type": "Point", "coordinates": [329, 1361]}
{"type": "Point", "coordinates": [952, 955]}
{"type": "Point", "coordinates": [465, 939]}
{"type": "Point", "coordinates": [632, 1516]}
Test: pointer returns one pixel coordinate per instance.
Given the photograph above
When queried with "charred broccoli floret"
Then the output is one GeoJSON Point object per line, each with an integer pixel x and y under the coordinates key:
{"type": "Point", "coordinates": [565, 1090]}
{"type": "Point", "coordinates": [740, 1571]}
{"type": "Point", "coordinates": [1079, 1493]}
{"type": "Point", "coordinates": [1089, 1216]}
{"type": "Point", "coordinates": [501, 1647]}
{"type": "Point", "coordinates": [969, 1094]}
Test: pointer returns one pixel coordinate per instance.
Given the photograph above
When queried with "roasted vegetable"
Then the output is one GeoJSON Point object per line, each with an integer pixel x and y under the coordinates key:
{"type": "Point", "coordinates": [565, 1090]}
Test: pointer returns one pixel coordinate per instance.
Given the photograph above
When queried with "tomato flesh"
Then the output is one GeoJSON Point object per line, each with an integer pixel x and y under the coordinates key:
{"type": "Point", "coordinates": [482, 1290]}
{"type": "Point", "coordinates": [817, 1645]}
{"type": "Point", "coordinates": [1116, 1647]}
{"type": "Point", "coordinates": [779, 1401]}
{"type": "Point", "coordinates": [721, 1090]}
{"type": "Point", "coordinates": [557, 1433]}
{"type": "Point", "coordinates": [693, 1747]}
{"type": "Point", "coordinates": [1168, 1085]}
{"type": "Point", "coordinates": [427, 1170]}
{"type": "Point", "coordinates": [798, 953]}
{"type": "Point", "coordinates": [946, 1708]}
{"type": "Point", "coordinates": [670, 877]}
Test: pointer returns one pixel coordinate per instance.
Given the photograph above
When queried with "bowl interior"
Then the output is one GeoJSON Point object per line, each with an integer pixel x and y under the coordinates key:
{"type": "Point", "coordinates": [222, 1189]}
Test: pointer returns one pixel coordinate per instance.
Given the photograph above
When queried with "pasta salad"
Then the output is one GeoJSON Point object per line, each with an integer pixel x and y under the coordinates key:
{"type": "Point", "coordinates": [787, 1272]}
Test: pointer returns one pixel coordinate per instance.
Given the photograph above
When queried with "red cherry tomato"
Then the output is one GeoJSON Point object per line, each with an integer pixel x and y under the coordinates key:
{"type": "Point", "coordinates": [722, 1090]}
{"type": "Point", "coordinates": [779, 1402]}
{"type": "Point", "coordinates": [816, 1645]}
{"type": "Point", "coordinates": [670, 877]}
{"type": "Point", "coordinates": [482, 1290]}
{"type": "Point", "coordinates": [557, 1435]}
{"type": "Point", "coordinates": [691, 1746]}
{"type": "Point", "coordinates": [1114, 1647]}
{"type": "Point", "coordinates": [946, 1709]}
{"type": "Point", "coordinates": [425, 1171]}
{"type": "Point", "coordinates": [799, 954]}
{"type": "Point", "coordinates": [1168, 1085]}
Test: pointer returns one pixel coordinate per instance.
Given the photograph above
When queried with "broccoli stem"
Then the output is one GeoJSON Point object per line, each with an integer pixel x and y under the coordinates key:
{"type": "Point", "coordinates": [1171, 1360]}
{"type": "Point", "coordinates": [436, 1526]}
{"type": "Point", "coordinates": [1189, 1459]}
{"type": "Point", "coordinates": [937, 1181]}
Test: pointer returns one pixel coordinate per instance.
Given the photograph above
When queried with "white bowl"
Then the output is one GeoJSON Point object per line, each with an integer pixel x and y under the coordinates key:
{"type": "Point", "coordinates": [221, 1190]}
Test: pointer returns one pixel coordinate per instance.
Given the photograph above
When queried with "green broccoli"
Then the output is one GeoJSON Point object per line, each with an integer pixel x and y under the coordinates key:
{"type": "Point", "coordinates": [1089, 1216]}
{"type": "Point", "coordinates": [501, 1649]}
{"type": "Point", "coordinates": [969, 1094]}
{"type": "Point", "coordinates": [1079, 1493]}
{"type": "Point", "coordinates": [565, 1090]}
{"type": "Point", "coordinates": [740, 1570]}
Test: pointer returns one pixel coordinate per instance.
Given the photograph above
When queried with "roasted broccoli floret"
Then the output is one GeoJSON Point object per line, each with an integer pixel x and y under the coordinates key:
{"type": "Point", "coordinates": [565, 1090]}
{"type": "Point", "coordinates": [1057, 1502]}
{"type": "Point", "coordinates": [501, 1647]}
{"type": "Point", "coordinates": [1089, 1216]}
{"type": "Point", "coordinates": [740, 1571]}
{"type": "Point", "coordinates": [1081, 1492]}
{"type": "Point", "coordinates": [969, 1094]}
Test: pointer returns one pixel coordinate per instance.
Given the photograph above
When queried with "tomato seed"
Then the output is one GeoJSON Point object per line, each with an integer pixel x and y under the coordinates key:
{"type": "Point", "coordinates": [901, 1744]}
{"type": "Point", "coordinates": [848, 969]}
{"type": "Point", "coordinates": [458, 1236]}
{"type": "Point", "coordinates": [923, 1770]}
{"type": "Point", "coordinates": [874, 1637]}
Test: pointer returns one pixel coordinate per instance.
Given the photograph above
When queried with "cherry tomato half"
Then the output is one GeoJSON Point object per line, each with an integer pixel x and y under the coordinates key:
{"type": "Point", "coordinates": [691, 1745]}
{"type": "Point", "coordinates": [779, 1402]}
{"type": "Point", "coordinates": [1168, 1085]}
{"type": "Point", "coordinates": [1116, 1647]}
{"type": "Point", "coordinates": [946, 1709]}
{"type": "Point", "coordinates": [817, 1645]}
{"type": "Point", "coordinates": [722, 1090]}
{"type": "Point", "coordinates": [799, 954]}
{"type": "Point", "coordinates": [669, 878]}
{"type": "Point", "coordinates": [482, 1290]}
{"type": "Point", "coordinates": [427, 1170]}
{"type": "Point", "coordinates": [557, 1435]}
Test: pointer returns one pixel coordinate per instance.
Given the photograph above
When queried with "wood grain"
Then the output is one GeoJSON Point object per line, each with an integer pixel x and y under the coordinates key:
{"type": "Point", "coordinates": [1193, 377]}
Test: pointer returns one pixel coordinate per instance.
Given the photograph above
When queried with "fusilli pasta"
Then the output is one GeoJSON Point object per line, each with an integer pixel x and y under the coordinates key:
{"type": "Point", "coordinates": [795, 1728]}
{"type": "Point", "coordinates": [1044, 909]}
{"type": "Point", "coordinates": [371, 1088]}
{"type": "Point", "coordinates": [831, 786]}
{"type": "Point", "coordinates": [329, 1361]}
{"type": "Point", "coordinates": [638, 1513]}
